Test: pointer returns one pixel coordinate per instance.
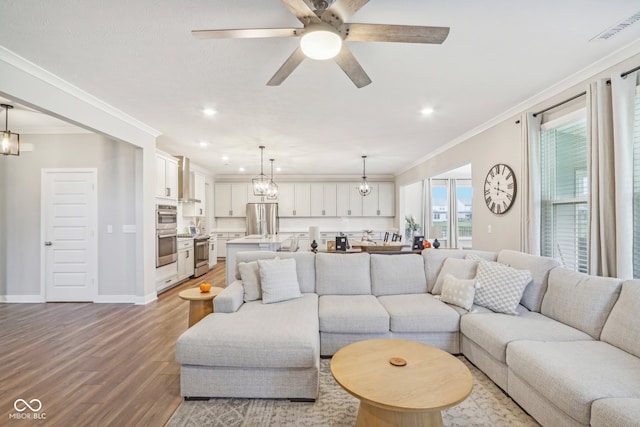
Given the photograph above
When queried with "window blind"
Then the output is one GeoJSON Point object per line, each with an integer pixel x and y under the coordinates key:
{"type": "Point", "coordinates": [636, 186]}
{"type": "Point", "coordinates": [564, 193]}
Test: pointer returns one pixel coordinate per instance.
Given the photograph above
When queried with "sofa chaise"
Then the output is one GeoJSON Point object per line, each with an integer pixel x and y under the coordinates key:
{"type": "Point", "coordinates": [564, 345]}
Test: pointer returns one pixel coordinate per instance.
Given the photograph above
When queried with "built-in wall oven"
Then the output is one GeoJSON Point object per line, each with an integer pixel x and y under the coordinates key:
{"type": "Point", "coordinates": [201, 255]}
{"type": "Point", "coordinates": [166, 234]}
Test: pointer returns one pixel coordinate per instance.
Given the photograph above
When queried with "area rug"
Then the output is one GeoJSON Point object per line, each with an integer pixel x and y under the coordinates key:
{"type": "Point", "coordinates": [486, 406]}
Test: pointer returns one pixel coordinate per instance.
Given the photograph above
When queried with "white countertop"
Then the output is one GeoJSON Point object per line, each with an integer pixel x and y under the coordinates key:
{"type": "Point", "coordinates": [257, 239]}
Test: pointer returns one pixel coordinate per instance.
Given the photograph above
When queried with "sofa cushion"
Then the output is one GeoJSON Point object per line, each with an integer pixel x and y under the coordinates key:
{"type": "Point", "coordinates": [459, 268]}
{"type": "Point", "coordinates": [539, 268]}
{"type": "Point", "coordinates": [580, 300]}
{"type": "Point", "coordinates": [494, 331]}
{"type": "Point", "coordinates": [397, 274]}
{"type": "Point", "coordinates": [305, 265]}
{"type": "Point", "coordinates": [343, 274]}
{"type": "Point", "coordinates": [283, 335]}
{"type": "Point", "coordinates": [278, 279]}
{"type": "Point", "coordinates": [500, 287]}
{"type": "Point", "coordinates": [434, 258]}
{"type": "Point", "coordinates": [458, 292]}
{"type": "Point", "coordinates": [618, 412]}
{"type": "Point", "coordinates": [574, 374]}
{"type": "Point", "coordinates": [250, 276]}
{"type": "Point", "coordinates": [352, 314]}
{"type": "Point", "coordinates": [419, 313]}
{"type": "Point", "coordinates": [622, 328]}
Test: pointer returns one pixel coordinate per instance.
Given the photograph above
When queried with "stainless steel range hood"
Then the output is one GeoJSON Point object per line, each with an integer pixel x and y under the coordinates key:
{"type": "Point", "coordinates": [185, 187]}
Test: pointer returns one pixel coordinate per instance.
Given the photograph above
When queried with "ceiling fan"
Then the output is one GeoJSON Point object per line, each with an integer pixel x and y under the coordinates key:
{"type": "Point", "coordinates": [324, 30]}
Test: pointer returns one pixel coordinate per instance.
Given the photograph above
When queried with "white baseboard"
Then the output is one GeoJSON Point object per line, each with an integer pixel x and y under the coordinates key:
{"type": "Point", "coordinates": [115, 299]}
{"type": "Point", "coordinates": [26, 299]}
{"type": "Point", "coordinates": [146, 299]}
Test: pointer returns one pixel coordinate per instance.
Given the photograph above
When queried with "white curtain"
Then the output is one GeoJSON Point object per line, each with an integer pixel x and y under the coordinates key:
{"type": "Point", "coordinates": [623, 93]}
{"type": "Point", "coordinates": [529, 191]}
{"type": "Point", "coordinates": [602, 184]}
{"type": "Point", "coordinates": [452, 237]}
{"type": "Point", "coordinates": [426, 214]}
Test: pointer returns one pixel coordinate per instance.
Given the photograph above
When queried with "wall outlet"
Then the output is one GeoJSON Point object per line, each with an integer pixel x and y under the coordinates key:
{"type": "Point", "coordinates": [129, 228]}
{"type": "Point", "coordinates": [489, 228]}
{"type": "Point", "coordinates": [109, 228]}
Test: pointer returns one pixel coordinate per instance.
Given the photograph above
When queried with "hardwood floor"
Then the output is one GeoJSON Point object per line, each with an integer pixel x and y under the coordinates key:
{"type": "Point", "coordinates": [94, 364]}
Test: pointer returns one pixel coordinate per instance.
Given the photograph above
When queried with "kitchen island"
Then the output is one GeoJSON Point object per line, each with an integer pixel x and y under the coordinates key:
{"type": "Point", "coordinates": [253, 242]}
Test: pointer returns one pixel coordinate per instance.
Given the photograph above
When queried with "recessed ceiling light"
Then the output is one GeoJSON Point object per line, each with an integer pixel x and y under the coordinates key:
{"type": "Point", "coordinates": [427, 111]}
{"type": "Point", "coordinates": [241, 169]}
{"type": "Point", "coordinates": [203, 143]}
{"type": "Point", "coordinates": [209, 112]}
{"type": "Point", "coordinates": [278, 169]}
{"type": "Point", "coordinates": [225, 160]}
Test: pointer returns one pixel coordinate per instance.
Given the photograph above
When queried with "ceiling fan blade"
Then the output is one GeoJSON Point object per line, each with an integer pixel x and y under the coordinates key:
{"type": "Point", "coordinates": [287, 68]}
{"type": "Point", "coordinates": [342, 10]}
{"type": "Point", "coordinates": [352, 67]}
{"type": "Point", "coordinates": [395, 33]}
{"type": "Point", "coordinates": [302, 11]}
{"type": "Point", "coordinates": [250, 33]}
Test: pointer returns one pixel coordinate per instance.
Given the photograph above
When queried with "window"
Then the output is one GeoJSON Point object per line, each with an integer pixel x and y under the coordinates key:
{"type": "Point", "coordinates": [565, 191]}
{"type": "Point", "coordinates": [464, 196]}
{"type": "Point", "coordinates": [439, 209]}
{"type": "Point", "coordinates": [636, 186]}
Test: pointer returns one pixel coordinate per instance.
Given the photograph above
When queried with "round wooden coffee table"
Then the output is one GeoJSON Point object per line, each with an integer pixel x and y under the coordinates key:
{"type": "Point", "coordinates": [400, 383]}
{"type": "Point", "coordinates": [200, 303]}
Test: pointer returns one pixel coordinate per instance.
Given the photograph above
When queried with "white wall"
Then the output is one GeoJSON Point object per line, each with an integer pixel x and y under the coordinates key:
{"type": "Point", "coordinates": [498, 144]}
{"type": "Point", "coordinates": [20, 221]}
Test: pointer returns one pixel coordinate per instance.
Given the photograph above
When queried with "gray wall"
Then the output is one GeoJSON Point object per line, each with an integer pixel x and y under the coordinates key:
{"type": "Point", "coordinates": [499, 144]}
{"type": "Point", "coordinates": [20, 244]}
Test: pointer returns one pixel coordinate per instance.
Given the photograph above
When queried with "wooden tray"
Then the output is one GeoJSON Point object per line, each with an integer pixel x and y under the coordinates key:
{"type": "Point", "coordinates": [379, 248]}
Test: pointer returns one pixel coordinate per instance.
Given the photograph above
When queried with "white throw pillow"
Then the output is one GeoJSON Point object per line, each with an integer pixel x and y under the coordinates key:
{"type": "Point", "coordinates": [250, 276]}
{"type": "Point", "coordinates": [500, 287]}
{"type": "Point", "coordinates": [458, 268]}
{"type": "Point", "coordinates": [458, 292]}
{"type": "Point", "coordinates": [279, 280]}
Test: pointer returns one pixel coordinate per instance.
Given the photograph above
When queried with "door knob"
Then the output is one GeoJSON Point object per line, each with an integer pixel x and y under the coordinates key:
{"type": "Point", "coordinates": [48, 243]}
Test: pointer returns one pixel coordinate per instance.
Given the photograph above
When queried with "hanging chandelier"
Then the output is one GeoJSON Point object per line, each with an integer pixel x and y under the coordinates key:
{"type": "Point", "coordinates": [364, 188]}
{"type": "Point", "coordinates": [272, 191]}
{"type": "Point", "coordinates": [261, 182]}
{"type": "Point", "coordinates": [10, 142]}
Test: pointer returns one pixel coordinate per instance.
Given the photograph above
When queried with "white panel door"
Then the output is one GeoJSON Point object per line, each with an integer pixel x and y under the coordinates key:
{"type": "Point", "coordinates": [69, 234]}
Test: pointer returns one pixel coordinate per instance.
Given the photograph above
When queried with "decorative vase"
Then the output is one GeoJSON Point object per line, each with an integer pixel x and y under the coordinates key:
{"type": "Point", "coordinates": [436, 244]}
{"type": "Point", "coordinates": [408, 234]}
{"type": "Point", "coordinates": [314, 246]}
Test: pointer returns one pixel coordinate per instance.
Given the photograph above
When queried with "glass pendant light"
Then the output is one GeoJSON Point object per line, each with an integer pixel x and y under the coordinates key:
{"type": "Point", "coordinates": [260, 182]}
{"type": "Point", "coordinates": [364, 188]}
{"type": "Point", "coordinates": [10, 141]}
{"type": "Point", "coordinates": [272, 191]}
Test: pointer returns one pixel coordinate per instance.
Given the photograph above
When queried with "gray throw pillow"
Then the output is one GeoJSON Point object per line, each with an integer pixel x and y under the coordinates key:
{"type": "Point", "coordinates": [279, 280]}
{"type": "Point", "coordinates": [458, 268]}
{"type": "Point", "coordinates": [500, 287]}
{"type": "Point", "coordinates": [250, 276]}
{"type": "Point", "coordinates": [458, 292]}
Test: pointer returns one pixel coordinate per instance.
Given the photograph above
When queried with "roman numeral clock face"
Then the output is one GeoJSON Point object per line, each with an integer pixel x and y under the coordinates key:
{"type": "Point", "coordinates": [500, 189]}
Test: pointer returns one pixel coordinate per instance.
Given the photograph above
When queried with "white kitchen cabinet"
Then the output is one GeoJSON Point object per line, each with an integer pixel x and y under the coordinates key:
{"type": "Point", "coordinates": [223, 238]}
{"type": "Point", "coordinates": [185, 259]}
{"type": "Point", "coordinates": [166, 177]}
{"type": "Point", "coordinates": [323, 199]}
{"type": "Point", "coordinates": [349, 201]}
{"type": "Point", "coordinates": [294, 199]}
{"type": "Point", "coordinates": [230, 199]}
{"type": "Point", "coordinates": [198, 181]}
{"type": "Point", "coordinates": [380, 202]}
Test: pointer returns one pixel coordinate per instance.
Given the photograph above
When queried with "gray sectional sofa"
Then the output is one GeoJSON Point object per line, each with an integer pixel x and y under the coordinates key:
{"type": "Point", "coordinates": [569, 357]}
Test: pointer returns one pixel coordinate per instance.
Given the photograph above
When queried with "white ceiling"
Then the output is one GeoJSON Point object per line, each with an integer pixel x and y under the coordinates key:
{"type": "Point", "coordinates": [140, 57]}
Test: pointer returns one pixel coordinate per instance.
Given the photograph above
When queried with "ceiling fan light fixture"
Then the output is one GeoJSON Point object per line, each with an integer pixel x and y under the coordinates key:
{"type": "Point", "coordinates": [321, 43]}
{"type": "Point", "coordinates": [10, 141]}
{"type": "Point", "coordinates": [364, 188]}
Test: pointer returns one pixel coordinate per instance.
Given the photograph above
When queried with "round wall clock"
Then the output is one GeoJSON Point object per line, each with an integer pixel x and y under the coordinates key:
{"type": "Point", "coordinates": [500, 189]}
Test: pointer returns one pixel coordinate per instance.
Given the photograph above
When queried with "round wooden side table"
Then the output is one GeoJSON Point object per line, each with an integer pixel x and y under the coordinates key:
{"type": "Point", "coordinates": [200, 303]}
{"type": "Point", "coordinates": [400, 383]}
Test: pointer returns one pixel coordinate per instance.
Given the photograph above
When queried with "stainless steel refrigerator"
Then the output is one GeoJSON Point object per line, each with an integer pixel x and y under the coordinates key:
{"type": "Point", "coordinates": [262, 218]}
